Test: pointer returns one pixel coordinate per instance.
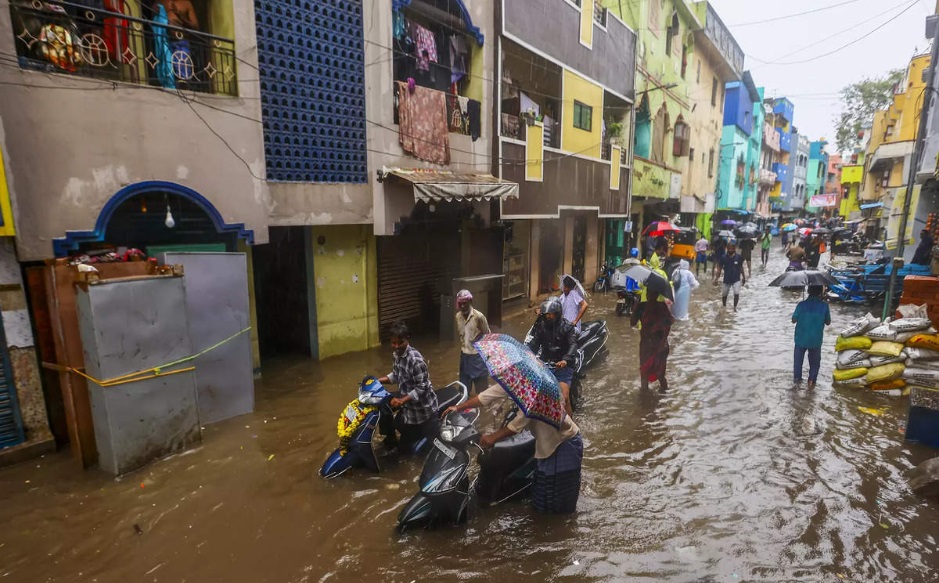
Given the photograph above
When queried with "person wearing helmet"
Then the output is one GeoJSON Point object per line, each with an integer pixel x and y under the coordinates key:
{"type": "Point", "coordinates": [701, 255]}
{"type": "Point", "coordinates": [731, 264]}
{"type": "Point", "coordinates": [556, 338]}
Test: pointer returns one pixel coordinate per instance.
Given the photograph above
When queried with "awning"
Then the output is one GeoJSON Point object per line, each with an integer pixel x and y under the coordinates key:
{"type": "Point", "coordinates": [444, 185]}
{"type": "Point", "coordinates": [871, 205]}
{"type": "Point", "coordinates": [889, 152]}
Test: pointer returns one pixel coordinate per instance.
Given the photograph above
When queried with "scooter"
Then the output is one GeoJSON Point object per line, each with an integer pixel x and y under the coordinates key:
{"type": "Point", "coordinates": [603, 280]}
{"type": "Point", "coordinates": [626, 297]}
{"type": "Point", "coordinates": [359, 424]}
{"type": "Point", "coordinates": [506, 472]}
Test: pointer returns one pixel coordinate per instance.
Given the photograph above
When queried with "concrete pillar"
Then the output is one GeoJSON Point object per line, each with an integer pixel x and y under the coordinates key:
{"type": "Point", "coordinates": [568, 252]}
{"type": "Point", "coordinates": [534, 258]}
{"type": "Point", "coordinates": [592, 256]}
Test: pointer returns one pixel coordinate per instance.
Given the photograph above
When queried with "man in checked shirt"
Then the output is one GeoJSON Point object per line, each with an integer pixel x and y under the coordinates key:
{"type": "Point", "coordinates": [415, 401]}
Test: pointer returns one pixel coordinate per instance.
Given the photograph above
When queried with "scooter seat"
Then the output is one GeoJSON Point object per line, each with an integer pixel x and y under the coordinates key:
{"type": "Point", "coordinates": [588, 329]}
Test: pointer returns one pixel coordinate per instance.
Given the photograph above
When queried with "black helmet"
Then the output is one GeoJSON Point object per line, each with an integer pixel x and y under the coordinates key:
{"type": "Point", "coordinates": [551, 305]}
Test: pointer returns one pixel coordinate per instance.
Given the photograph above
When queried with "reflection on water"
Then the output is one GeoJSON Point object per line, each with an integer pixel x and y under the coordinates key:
{"type": "Point", "coordinates": [732, 475]}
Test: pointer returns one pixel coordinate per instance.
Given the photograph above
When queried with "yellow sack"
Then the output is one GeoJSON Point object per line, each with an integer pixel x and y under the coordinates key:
{"type": "Point", "coordinates": [848, 374]}
{"type": "Point", "coordinates": [853, 343]}
{"type": "Point", "coordinates": [887, 372]}
{"type": "Point", "coordinates": [889, 385]}
{"type": "Point", "coordinates": [857, 383]}
{"type": "Point", "coordinates": [884, 348]}
{"type": "Point", "coordinates": [927, 341]}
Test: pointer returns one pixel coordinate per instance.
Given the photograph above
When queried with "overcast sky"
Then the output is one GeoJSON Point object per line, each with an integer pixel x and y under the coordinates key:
{"type": "Point", "coordinates": [813, 86]}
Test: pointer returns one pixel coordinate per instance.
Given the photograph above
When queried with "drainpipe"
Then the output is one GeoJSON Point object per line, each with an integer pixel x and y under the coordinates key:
{"type": "Point", "coordinates": [911, 180]}
{"type": "Point", "coordinates": [631, 144]}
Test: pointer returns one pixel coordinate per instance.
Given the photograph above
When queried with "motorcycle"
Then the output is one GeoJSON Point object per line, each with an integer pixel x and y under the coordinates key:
{"type": "Point", "coordinates": [506, 472]}
{"type": "Point", "coordinates": [360, 421]}
{"type": "Point", "coordinates": [603, 280]}
{"type": "Point", "coordinates": [591, 344]}
{"type": "Point", "coordinates": [626, 297]}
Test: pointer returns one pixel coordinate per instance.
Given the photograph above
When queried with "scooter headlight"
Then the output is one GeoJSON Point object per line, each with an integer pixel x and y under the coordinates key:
{"type": "Point", "coordinates": [448, 433]}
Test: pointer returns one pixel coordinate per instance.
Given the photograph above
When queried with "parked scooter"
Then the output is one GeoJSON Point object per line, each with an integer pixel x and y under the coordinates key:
{"type": "Point", "coordinates": [603, 283]}
{"type": "Point", "coordinates": [359, 424]}
{"type": "Point", "coordinates": [505, 472]}
{"type": "Point", "coordinates": [626, 297]}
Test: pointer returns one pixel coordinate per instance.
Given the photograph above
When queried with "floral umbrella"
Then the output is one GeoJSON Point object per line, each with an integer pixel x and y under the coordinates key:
{"type": "Point", "coordinates": [525, 378]}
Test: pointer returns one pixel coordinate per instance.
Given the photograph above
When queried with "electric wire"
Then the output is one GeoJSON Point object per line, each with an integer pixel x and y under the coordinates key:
{"type": "Point", "coordinates": [795, 15]}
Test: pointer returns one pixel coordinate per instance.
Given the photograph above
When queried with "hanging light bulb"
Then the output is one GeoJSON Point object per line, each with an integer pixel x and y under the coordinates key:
{"type": "Point", "coordinates": [169, 222]}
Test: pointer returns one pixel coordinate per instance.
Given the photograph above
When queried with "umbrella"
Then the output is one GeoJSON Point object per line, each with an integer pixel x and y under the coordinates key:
{"type": "Point", "coordinates": [728, 222]}
{"type": "Point", "coordinates": [525, 378]}
{"type": "Point", "coordinates": [789, 227]}
{"type": "Point", "coordinates": [654, 282]}
{"type": "Point", "coordinates": [579, 287]}
{"type": "Point", "coordinates": [821, 231]}
{"type": "Point", "coordinates": [659, 228]}
{"type": "Point", "coordinates": [804, 278]}
{"type": "Point", "coordinates": [748, 230]}
{"type": "Point", "coordinates": [805, 232]}
{"type": "Point", "coordinates": [725, 235]}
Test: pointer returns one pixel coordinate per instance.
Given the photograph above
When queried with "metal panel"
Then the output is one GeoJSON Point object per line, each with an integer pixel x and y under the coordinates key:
{"type": "Point", "coordinates": [128, 326]}
{"type": "Point", "coordinates": [218, 307]}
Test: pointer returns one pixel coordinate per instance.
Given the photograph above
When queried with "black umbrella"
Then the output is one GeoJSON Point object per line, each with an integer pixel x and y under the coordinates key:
{"type": "Point", "coordinates": [804, 278]}
{"type": "Point", "coordinates": [821, 231]}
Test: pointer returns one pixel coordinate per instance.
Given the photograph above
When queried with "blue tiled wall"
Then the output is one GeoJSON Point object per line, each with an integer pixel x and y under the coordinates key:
{"type": "Point", "coordinates": [311, 60]}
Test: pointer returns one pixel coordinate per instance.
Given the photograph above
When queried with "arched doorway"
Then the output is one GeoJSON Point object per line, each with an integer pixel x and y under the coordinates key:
{"type": "Point", "coordinates": [156, 216]}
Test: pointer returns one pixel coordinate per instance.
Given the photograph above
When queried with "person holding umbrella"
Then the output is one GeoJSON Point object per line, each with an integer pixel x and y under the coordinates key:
{"type": "Point", "coordinates": [656, 319]}
{"type": "Point", "coordinates": [573, 302]}
{"type": "Point", "coordinates": [731, 265]}
{"type": "Point", "coordinates": [810, 317]}
{"type": "Point", "coordinates": [747, 243]}
{"type": "Point", "coordinates": [559, 449]}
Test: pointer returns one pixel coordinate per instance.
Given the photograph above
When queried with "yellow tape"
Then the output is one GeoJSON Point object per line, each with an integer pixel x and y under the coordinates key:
{"type": "Point", "coordinates": [146, 374]}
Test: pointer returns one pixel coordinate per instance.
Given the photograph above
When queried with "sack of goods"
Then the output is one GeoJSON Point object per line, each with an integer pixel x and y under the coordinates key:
{"type": "Point", "coordinates": [888, 357]}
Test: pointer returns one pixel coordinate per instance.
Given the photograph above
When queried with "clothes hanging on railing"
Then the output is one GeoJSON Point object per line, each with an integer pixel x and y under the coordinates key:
{"type": "Point", "coordinates": [459, 55]}
{"type": "Point", "coordinates": [422, 123]}
{"type": "Point", "coordinates": [425, 46]}
{"type": "Point", "coordinates": [474, 109]}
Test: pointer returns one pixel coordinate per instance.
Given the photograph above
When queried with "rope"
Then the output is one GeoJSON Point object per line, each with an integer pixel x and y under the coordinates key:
{"type": "Point", "coordinates": [145, 374]}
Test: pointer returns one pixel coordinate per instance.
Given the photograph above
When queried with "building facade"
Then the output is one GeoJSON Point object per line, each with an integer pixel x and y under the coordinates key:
{"type": "Point", "coordinates": [793, 203]}
{"type": "Point", "coordinates": [564, 126]}
{"type": "Point", "coordinates": [738, 161]}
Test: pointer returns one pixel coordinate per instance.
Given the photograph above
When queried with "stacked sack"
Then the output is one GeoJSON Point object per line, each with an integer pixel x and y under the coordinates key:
{"type": "Point", "coordinates": [889, 357]}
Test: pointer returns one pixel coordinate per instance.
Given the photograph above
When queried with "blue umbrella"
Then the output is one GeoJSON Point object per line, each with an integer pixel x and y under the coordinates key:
{"type": "Point", "coordinates": [161, 46]}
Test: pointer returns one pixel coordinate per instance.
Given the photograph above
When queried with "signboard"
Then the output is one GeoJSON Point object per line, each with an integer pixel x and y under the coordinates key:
{"type": "Point", "coordinates": [824, 200]}
{"type": "Point", "coordinates": [675, 187]}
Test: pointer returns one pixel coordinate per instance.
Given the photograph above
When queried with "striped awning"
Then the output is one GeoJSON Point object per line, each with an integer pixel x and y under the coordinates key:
{"type": "Point", "coordinates": [445, 186]}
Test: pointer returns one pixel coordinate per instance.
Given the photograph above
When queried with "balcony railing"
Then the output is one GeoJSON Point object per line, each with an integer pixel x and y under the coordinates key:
{"type": "Point", "coordinates": [767, 177]}
{"type": "Point", "coordinates": [770, 137]}
{"type": "Point", "coordinates": [516, 128]}
{"type": "Point", "coordinates": [92, 42]}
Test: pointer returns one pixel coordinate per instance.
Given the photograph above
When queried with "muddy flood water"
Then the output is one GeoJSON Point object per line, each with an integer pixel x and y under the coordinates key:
{"type": "Point", "coordinates": [733, 475]}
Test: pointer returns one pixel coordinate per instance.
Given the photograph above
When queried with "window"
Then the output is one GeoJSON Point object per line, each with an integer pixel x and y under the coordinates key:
{"type": "Point", "coordinates": [711, 163]}
{"type": "Point", "coordinates": [671, 33]}
{"type": "Point", "coordinates": [681, 144]}
{"type": "Point", "coordinates": [583, 116]}
{"type": "Point", "coordinates": [599, 13]}
{"type": "Point", "coordinates": [698, 79]}
{"type": "Point", "coordinates": [713, 91]}
{"type": "Point", "coordinates": [722, 98]}
{"type": "Point", "coordinates": [684, 60]}
{"type": "Point", "coordinates": [690, 155]}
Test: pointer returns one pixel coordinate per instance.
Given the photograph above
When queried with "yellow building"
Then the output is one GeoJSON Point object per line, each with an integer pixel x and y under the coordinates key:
{"type": "Point", "coordinates": [888, 155]}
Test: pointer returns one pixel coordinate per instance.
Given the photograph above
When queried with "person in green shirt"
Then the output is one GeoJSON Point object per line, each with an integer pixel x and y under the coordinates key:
{"type": "Point", "coordinates": [765, 241]}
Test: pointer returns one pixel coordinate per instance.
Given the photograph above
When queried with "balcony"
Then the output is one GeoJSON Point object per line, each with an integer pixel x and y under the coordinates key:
{"type": "Point", "coordinates": [852, 174]}
{"type": "Point", "coordinates": [770, 137]}
{"type": "Point", "coordinates": [785, 140]}
{"type": "Point", "coordinates": [782, 172]}
{"type": "Point", "coordinates": [92, 42]}
{"type": "Point", "coordinates": [767, 177]}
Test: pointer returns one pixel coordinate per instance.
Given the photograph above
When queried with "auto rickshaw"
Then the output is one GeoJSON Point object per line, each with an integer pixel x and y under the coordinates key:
{"type": "Point", "coordinates": [683, 245]}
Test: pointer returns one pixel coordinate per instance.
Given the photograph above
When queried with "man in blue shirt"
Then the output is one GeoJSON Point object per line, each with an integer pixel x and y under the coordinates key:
{"type": "Point", "coordinates": [731, 264]}
{"type": "Point", "coordinates": [811, 317]}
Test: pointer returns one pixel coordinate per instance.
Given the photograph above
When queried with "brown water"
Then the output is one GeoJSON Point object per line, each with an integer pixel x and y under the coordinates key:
{"type": "Point", "coordinates": [731, 476]}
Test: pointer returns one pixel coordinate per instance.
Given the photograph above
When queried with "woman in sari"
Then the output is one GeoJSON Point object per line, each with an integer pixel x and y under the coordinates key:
{"type": "Point", "coordinates": [656, 319]}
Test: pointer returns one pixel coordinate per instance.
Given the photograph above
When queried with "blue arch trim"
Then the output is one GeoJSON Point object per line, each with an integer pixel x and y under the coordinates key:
{"type": "Point", "coordinates": [73, 239]}
{"type": "Point", "coordinates": [470, 28]}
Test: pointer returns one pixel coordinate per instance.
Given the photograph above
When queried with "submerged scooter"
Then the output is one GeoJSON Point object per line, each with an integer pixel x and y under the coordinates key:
{"type": "Point", "coordinates": [360, 421]}
{"type": "Point", "coordinates": [506, 472]}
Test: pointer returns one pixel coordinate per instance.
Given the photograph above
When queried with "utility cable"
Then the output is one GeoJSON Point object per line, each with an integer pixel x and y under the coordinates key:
{"type": "Point", "coordinates": [797, 14]}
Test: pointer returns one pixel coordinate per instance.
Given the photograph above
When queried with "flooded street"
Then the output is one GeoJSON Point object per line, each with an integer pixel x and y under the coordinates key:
{"type": "Point", "coordinates": [733, 475]}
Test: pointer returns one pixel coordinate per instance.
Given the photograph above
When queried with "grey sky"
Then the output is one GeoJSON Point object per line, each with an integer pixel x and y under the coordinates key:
{"type": "Point", "coordinates": [813, 86]}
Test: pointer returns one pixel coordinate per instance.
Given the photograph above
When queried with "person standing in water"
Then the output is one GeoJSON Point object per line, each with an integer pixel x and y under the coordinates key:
{"type": "Point", "coordinates": [656, 319]}
{"type": "Point", "coordinates": [471, 325]}
{"type": "Point", "coordinates": [811, 317]}
{"type": "Point", "coordinates": [684, 283]}
{"type": "Point", "coordinates": [731, 265]}
{"type": "Point", "coordinates": [701, 255]}
{"type": "Point", "coordinates": [766, 241]}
